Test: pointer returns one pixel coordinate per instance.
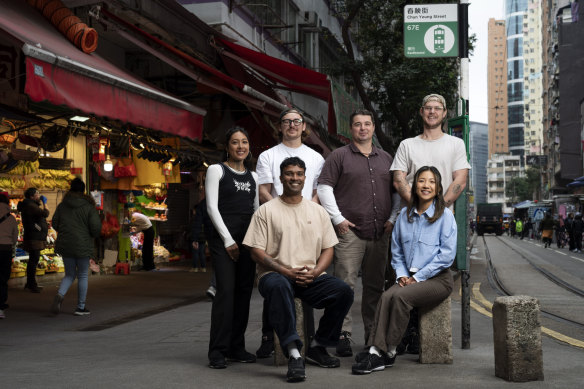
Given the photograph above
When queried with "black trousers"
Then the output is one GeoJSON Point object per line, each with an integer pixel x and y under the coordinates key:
{"type": "Point", "coordinates": [31, 266]}
{"type": "Point", "coordinates": [148, 249]}
{"type": "Point", "coordinates": [230, 311]}
{"type": "Point", "coordinates": [5, 268]}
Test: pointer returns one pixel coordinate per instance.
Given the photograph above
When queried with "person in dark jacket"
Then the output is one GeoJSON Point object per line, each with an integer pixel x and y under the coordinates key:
{"type": "Point", "coordinates": [77, 224]}
{"type": "Point", "coordinates": [201, 226]}
{"type": "Point", "coordinates": [577, 230]}
{"type": "Point", "coordinates": [569, 224]}
{"type": "Point", "coordinates": [8, 239]}
{"type": "Point", "coordinates": [546, 227]}
{"type": "Point", "coordinates": [33, 210]}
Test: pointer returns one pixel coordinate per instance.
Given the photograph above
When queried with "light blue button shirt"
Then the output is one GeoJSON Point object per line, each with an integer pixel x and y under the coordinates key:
{"type": "Point", "coordinates": [427, 247]}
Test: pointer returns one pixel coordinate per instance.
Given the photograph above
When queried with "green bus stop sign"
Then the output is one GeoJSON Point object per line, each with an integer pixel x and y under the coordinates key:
{"type": "Point", "coordinates": [431, 30]}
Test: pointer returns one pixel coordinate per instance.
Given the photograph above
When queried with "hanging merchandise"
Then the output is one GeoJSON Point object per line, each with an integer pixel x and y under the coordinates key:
{"type": "Point", "coordinates": [55, 138]}
{"type": "Point", "coordinates": [97, 145]}
{"type": "Point", "coordinates": [10, 137]}
{"type": "Point", "coordinates": [125, 168]}
{"type": "Point", "coordinates": [98, 198]}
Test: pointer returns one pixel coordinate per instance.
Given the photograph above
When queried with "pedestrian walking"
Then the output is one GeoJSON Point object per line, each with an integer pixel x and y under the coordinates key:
{"type": "Point", "coordinates": [34, 212]}
{"type": "Point", "coordinates": [569, 222]}
{"type": "Point", "coordinates": [577, 230]}
{"type": "Point", "coordinates": [141, 223]}
{"type": "Point", "coordinates": [232, 197]}
{"type": "Point", "coordinates": [546, 228]}
{"type": "Point", "coordinates": [8, 239]}
{"type": "Point", "coordinates": [77, 224]}
{"type": "Point", "coordinates": [201, 227]}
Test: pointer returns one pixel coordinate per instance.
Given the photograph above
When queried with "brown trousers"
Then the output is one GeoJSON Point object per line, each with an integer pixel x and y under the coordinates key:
{"type": "Point", "coordinates": [393, 310]}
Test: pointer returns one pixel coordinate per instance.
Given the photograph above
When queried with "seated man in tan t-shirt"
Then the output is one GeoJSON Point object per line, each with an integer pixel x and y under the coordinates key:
{"type": "Point", "coordinates": [291, 239]}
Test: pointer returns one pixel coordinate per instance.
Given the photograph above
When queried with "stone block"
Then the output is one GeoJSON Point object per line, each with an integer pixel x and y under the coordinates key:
{"type": "Point", "coordinates": [435, 329]}
{"type": "Point", "coordinates": [279, 358]}
{"type": "Point", "coordinates": [517, 339]}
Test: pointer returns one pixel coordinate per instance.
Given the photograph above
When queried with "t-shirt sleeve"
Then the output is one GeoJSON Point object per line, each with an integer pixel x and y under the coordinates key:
{"type": "Point", "coordinates": [400, 161]}
{"type": "Point", "coordinates": [264, 168]}
{"type": "Point", "coordinates": [460, 154]}
{"type": "Point", "coordinates": [331, 169]}
{"type": "Point", "coordinates": [257, 232]}
{"type": "Point", "coordinates": [319, 165]}
{"type": "Point", "coordinates": [329, 237]}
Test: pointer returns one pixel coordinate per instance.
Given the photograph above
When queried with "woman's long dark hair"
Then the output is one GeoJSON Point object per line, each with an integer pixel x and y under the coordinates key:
{"type": "Point", "coordinates": [228, 135]}
{"type": "Point", "coordinates": [439, 204]}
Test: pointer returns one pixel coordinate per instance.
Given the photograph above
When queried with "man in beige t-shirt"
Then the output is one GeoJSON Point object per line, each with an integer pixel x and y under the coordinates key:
{"type": "Point", "coordinates": [291, 239]}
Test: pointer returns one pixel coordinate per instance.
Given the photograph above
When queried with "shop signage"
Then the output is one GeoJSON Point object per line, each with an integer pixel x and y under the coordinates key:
{"type": "Point", "coordinates": [431, 30]}
{"type": "Point", "coordinates": [536, 160]}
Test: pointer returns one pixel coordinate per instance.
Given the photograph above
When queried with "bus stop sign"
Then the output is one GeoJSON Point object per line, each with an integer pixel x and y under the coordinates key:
{"type": "Point", "coordinates": [431, 30]}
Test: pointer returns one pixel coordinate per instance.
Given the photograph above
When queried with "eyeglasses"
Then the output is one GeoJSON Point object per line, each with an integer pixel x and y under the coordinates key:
{"type": "Point", "coordinates": [436, 109]}
{"type": "Point", "coordinates": [288, 122]}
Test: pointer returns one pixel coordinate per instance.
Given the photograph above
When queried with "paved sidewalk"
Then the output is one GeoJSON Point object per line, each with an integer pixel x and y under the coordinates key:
{"type": "Point", "coordinates": [151, 330]}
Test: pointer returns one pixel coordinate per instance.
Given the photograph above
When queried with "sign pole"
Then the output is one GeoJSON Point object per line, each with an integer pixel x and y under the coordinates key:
{"type": "Point", "coordinates": [464, 94]}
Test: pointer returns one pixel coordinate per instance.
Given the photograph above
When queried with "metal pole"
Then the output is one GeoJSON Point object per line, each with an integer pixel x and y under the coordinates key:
{"type": "Point", "coordinates": [464, 94]}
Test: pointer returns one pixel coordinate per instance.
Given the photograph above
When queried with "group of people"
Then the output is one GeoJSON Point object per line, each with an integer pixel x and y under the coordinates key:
{"type": "Point", "coordinates": [337, 214]}
{"type": "Point", "coordinates": [566, 231]}
{"type": "Point", "coordinates": [77, 224]}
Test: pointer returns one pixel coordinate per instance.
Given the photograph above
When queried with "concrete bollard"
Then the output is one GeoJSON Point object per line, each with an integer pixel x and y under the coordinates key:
{"type": "Point", "coordinates": [435, 329]}
{"type": "Point", "coordinates": [279, 358]}
{"type": "Point", "coordinates": [517, 338]}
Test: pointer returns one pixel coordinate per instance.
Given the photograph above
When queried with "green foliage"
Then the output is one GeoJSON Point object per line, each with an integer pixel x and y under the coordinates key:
{"type": "Point", "coordinates": [395, 84]}
{"type": "Point", "coordinates": [522, 188]}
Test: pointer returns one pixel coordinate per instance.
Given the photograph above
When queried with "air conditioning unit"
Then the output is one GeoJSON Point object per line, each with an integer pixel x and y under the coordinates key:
{"type": "Point", "coordinates": [310, 19]}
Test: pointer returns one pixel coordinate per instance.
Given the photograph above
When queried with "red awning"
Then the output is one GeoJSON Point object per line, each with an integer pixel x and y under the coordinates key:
{"type": "Point", "coordinates": [57, 72]}
{"type": "Point", "coordinates": [293, 77]}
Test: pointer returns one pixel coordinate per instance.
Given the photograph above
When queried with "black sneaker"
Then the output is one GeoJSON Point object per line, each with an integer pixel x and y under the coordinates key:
{"type": "Point", "coordinates": [370, 364]}
{"type": "Point", "coordinates": [82, 312]}
{"type": "Point", "coordinates": [344, 345]}
{"type": "Point", "coordinates": [242, 356]}
{"type": "Point", "coordinates": [296, 370]}
{"type": "Point", "coordinates": [217, 362]}
{"type": "Point", "coordinates": [266, 348]}
{"type": "Point", "coordinates": [387, 360]}
{"type": "Point", "coordinates": [320, 357]}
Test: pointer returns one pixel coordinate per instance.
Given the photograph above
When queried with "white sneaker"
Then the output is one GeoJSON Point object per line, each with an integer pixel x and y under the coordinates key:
{"type": "Point", "coordinates": [211, 292]}
{"type": "Point", "coordinates": [2, 315]}
{"type": "Point", "coordinates": [194, 270]}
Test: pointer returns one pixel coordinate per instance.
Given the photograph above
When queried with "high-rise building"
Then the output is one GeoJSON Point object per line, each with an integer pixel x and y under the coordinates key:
{"type": "Point", "coordinates": [533, 86]}
{"type": "Point", "coordinates": [515, 24]}
{"type": "Point", "coordinates": [479, 155]}
{"type": "Point", "coordinates": [498, 139]}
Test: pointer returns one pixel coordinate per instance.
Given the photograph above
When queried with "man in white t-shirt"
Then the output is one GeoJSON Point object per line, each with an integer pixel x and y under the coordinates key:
{"type": "Point", "coordinates": [292, 132]}
{"type": "Point", "coordinates": [292, 241]}
{"type": "Point", "coordinates": [432, 148]}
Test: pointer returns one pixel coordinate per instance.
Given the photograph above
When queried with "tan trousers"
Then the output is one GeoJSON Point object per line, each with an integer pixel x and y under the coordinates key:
{"type": "Point", "coordinates": [352, 254]}
{"type": "Point", "coordinates": [393, 310]}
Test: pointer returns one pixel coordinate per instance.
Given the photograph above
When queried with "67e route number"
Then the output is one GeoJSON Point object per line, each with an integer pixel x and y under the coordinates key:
{"type": "Point", "coordinates": [413, 27]}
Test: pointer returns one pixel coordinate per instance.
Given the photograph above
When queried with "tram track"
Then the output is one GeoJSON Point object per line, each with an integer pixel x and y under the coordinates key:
{"type": "Point", "coordinates": [496, 283]}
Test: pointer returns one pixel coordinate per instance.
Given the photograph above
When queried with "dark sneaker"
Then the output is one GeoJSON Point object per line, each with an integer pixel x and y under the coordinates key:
{"type": "Point", "coordinates": [387, 360]}
{"type": "Point", "coordinates": [370, 364]}
{"type": "Point", "coordinates": [82, 312]}
{"type": "Point", "coordinates": [217, 362]}
{"type": "Point", "coordinates": [266, 348]}
{"type": "Point", "coordinates": [296, 370]}
{"type": "Point", "coordinates": [319, 356]}
{"type": "Point", "coordinates": [344, 345]}
{"type": "Point", "coordinates": [242, 356]}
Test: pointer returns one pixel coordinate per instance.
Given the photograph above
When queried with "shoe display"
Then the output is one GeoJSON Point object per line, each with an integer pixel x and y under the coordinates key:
{"type": "Point", "coordinates": [211, 292]}
{"type": "Point", "coordinates": [217, 362]}
{"type": "Point", "coordinates": [320, 357]}
{"type": "Point", "coordinates": [370, 364]}
{"type": "Point", "coordinates": [56, 306]}
{"type": "Point", "coordinates": [242, 356]}
{"type": "Point", "coordinates": [82, 312]}
{"type": "Point", "coordinates": [344, 345]}
{"type": "Point", "coordinates": [387, 360]}
{"type": "Point", "coordinates": [296, 370]}
{"type": "Point", "coordinates": [266, 348]}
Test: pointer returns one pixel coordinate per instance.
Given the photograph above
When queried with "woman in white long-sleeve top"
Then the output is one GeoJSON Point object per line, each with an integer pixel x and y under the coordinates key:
{"type": "Point", "coordinates": [232, 197]}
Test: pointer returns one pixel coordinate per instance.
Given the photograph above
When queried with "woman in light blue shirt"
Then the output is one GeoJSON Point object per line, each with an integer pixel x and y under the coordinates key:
{"type": "Point", "coordinates": [423, 247]}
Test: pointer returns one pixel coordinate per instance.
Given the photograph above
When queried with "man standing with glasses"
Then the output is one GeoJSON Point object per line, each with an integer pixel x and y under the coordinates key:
{"type": "Point", "coordinates": [292, 131]}
{"type": "Point", "coordinates": [355, 187]}
{"type": "Point", "coordinates": [432, 148]}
